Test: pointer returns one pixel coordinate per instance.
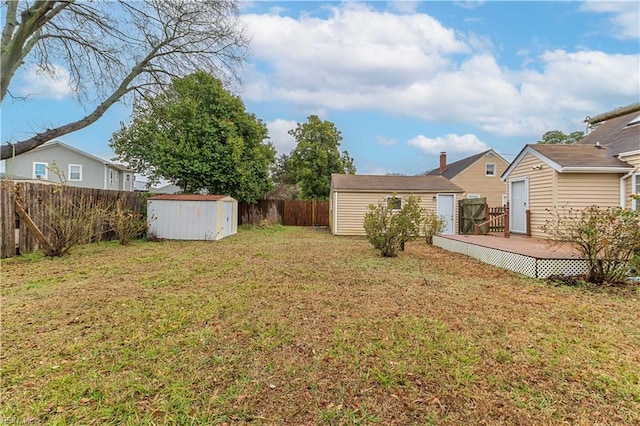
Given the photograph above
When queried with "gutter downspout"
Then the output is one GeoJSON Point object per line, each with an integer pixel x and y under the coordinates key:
{"type": "Point", "coordinates": [622, 188]}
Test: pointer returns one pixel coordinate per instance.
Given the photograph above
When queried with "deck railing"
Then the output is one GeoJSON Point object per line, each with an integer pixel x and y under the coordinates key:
{"type": "Point", "coordinates": [497, 221]}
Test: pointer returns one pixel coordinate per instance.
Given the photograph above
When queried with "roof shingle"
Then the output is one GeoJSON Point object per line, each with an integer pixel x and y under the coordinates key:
{"type": "Point", "coordinates": [377, 183]}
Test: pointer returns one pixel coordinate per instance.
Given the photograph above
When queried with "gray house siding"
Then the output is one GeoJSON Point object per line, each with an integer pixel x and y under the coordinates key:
{"type": "Point", "coordinates": [71, 165]}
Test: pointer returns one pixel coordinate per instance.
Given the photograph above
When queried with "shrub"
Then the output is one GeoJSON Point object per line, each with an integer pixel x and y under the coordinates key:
{"type": "Point", "coordinates": [389, 228]}
{"type": "Point", "coordinates": [71, 222]}
{"type": "Point", "coordinates": [126, 223]}
{"type": "Point", "coordinates": [432, 225]}
{"type": "Point", "coordinates": [606, 238]}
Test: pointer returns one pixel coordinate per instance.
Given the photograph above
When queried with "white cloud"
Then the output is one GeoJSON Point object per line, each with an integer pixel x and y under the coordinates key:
{"type": "Point", "coordinates": [36, 83]}
{"type": "Point", "coordinates": [624, 17]}
{"type": "Point", "coordinates": [456, 146]}
{"type": "Point", "coordinates": [403, 6]}
{"type": "Point", "coordinates": [472, 4]}
{"type": "Point", "coordinates": [357, 58]}
{"type": "Point", "coordinates": [279, 136]}
{"type": "Point", "coordinates": [385, 140]}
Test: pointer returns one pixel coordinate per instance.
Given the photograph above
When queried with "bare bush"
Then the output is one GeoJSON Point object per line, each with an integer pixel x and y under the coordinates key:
{"type": "Point", "coordinates": [71, 222]}
{"type": "Point", "coordinates": [126, 223]}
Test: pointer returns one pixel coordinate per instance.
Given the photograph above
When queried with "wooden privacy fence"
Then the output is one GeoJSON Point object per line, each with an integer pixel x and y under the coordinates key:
{"type": "Point", "coordinates": [38, 200]}
{"type": "Point", "coordinates": [286, 212]}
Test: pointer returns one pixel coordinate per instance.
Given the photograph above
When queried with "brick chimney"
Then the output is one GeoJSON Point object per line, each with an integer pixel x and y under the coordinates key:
{"type": "Point", "coordinates": [443, 161]}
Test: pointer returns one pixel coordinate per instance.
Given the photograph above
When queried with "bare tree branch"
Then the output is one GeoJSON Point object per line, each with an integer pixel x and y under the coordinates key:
{"type": "Point", "coordinates": [111, 49]}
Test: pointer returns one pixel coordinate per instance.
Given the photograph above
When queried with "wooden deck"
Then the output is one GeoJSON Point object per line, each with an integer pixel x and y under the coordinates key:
{"type": "Point", "coordinates": [529, 256]}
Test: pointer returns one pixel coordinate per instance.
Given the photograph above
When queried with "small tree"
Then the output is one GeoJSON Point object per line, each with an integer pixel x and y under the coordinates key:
{"type": "Point", "coordinates": [606, 238]}
{"type": "Point", "coordinates": [389, 228]}
{"type": "Point", "coordinates": [432, 225]}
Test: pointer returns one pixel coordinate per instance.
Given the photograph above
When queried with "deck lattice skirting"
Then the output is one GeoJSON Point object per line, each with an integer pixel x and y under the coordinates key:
{"type": "Point", "coordinates": [523, 264]}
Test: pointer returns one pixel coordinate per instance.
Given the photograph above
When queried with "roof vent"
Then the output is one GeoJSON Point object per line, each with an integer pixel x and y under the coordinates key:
{"type": "Point", "coordinates": [598, 145]}
{"type": "Point", "coordinates": [634, 121]}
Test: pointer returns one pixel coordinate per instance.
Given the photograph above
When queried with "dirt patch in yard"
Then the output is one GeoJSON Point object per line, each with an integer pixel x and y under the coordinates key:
{"type": "Point", "coordinates": [290, 325]}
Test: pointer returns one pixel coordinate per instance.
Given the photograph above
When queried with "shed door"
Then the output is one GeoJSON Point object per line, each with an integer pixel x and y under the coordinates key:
{"type": "Point", "coordinates": [445, 209]}
{"type": "Point", "coordinates": [227, 219]}
{"type": "Point", "coordinates": [518, 206]}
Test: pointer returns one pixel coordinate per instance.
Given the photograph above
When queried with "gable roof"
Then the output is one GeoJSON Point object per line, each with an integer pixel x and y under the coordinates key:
{"type": "Point", "coordinates": [572, 159]}
{"type": "Point", "coordinates": [615, 130]}
{"type": "Point", "coordinates": [376, 183]}
{"type": "Point", "coordinates": [50, 144]}
{"type": "Point", "coordinates": [457, 167]}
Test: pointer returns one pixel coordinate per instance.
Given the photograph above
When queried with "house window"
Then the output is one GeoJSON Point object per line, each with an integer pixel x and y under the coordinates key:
{"type": "Point", "coordinates": [490, 169]}
{"type": "Point", "coordinates": [473, 195]}
{"type": "Point", "coordinates": [110, 176]}
{"type": "Point", "coordinates": [75, 172]}
{"type": "Point", "coordinates": [127, 177]}
{"type": "Point", "coordinates": [394, 203]}
{"type": "Point", "coordinates": [117, 174]}
{"type": "Point", "coordinates": [40, 171]}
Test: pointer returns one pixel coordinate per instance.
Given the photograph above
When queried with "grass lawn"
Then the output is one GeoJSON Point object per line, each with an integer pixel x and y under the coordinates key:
{"type": "Point", "coordinates": [293, 325]}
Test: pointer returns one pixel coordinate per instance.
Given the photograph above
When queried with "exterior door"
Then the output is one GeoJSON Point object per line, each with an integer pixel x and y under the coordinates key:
{"type": "Point", "coordinates": [445, 209]}
{"type": "Point", "coordinates": [227, 225]}
{"type": "Point", "coordinates": [518, 205]}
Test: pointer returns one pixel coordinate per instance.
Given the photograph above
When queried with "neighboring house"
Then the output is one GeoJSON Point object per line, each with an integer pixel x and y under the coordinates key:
{"type": "Point", "coordinates": [478, 175]}
{"type": "Point", "coordinates": [167, 189]}
{"type": "Point", "coordinates": [352, 194]}
{"type": "Point", "coordinates": [56, 161]}
{"type": "Point", "coordinates": [603, 169]}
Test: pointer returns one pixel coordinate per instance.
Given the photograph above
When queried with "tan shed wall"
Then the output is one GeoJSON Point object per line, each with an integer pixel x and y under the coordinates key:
{"type": "Point", "coordinates": [474, 180]}
{"type": "Point", "coordinates": [352, 206]}
{"type": "Point", "coordinates": [542, 190]}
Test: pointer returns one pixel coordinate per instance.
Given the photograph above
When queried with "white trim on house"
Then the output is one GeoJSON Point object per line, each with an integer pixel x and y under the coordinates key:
{"type": "Point", "coordinates": [494, 173]}
{"type": "Point", "coordinates": [70, 174]}
{"type": "Point", "coordinates": [595, 169]}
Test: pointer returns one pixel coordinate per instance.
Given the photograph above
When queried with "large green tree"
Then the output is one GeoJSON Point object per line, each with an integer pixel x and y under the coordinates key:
{"type": "Point", "coordinates": [200, 137]}
{"type": "Point", "coordinates": [559, 138]}
{"type": "Point", "coordinates": [317, 155]}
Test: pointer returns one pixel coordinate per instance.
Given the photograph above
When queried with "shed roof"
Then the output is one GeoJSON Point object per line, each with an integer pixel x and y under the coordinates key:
{"type": "Point", "coordinates": [376, 183]}
{"type": "Point", "coordinates": [190, 197]}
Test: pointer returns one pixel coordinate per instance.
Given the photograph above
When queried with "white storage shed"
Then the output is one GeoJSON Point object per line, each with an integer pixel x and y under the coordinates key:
{"type": "Point", "coordinates": [192, 217]}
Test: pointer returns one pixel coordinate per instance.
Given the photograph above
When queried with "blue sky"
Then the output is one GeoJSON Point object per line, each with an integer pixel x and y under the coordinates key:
{"type": "Point", "coordinates": [403, 81]}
